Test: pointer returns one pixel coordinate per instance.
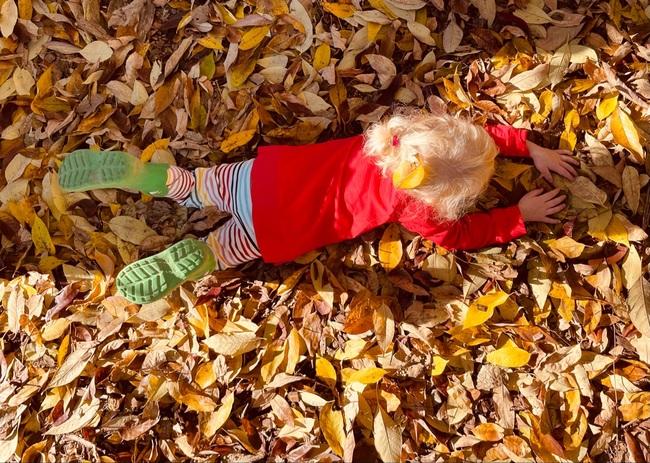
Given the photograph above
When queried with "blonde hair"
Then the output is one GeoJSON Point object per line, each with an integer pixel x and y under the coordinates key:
{"type": "Point", "coordinates": [458, 157]}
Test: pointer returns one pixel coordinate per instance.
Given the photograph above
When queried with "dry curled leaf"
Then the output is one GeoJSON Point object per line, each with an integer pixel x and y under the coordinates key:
{"type": "Point", "coordinates": [96, 52]}
{"type": "Point", "coordinates": [8, 17]}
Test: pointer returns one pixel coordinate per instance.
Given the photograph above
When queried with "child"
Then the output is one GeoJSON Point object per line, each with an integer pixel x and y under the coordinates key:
{"type": "Point", "coordinates": [421, 170]}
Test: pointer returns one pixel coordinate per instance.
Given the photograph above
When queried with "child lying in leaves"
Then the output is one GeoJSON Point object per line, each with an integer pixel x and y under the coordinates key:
{"type": "Point", "coordinates": [421, 170]}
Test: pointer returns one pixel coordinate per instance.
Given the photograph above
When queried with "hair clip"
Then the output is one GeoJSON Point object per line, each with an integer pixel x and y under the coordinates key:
{"type": "Point", "coordinates": [395, 141]}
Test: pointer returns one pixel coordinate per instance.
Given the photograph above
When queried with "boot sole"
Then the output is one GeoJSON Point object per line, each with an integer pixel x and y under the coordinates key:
{"type": "Point", "coordinates": [154, 277]}
{"type": "Point", "coordinates": [90, 170]}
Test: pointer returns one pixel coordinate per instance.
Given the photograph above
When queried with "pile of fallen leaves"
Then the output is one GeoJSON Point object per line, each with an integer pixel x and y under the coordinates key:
{"type": "Point", "coordinates": [385, 347]}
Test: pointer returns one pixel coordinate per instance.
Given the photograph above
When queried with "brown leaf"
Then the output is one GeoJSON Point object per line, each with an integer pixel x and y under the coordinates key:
{"type": "Point", "coordinates": [452, 36]}
{"type": "Point", "coordinates": [631, 187]}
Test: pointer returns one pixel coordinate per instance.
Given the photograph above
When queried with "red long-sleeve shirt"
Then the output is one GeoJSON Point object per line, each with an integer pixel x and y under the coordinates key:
{"type": "Point", "coordinates": [309, 196]}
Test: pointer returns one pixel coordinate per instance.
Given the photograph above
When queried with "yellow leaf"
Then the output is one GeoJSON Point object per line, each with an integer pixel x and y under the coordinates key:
{"type": "Point", "coordinates": [322, 56]}
{"type": "Point", "coordinates": [291, 281]}
{"type": "Point", "coordinates": [340, 10]}
{"type": "Point", "coordinates": [218, 418]}
{"type": "Point", "coordinates": [455, 92]}
{"type": "Point", "coordinates": [271, 361]}
{"type": "Point", "coordinates": [325, 371]}
{"type": "Point", "coordinates": [21, 210]}
{"type": "Point", "coordinates": [295, 348]}
{"type": "Point", "coordinates": [205, 375]}
{"type": "Point", "coordinates": [41, 237]}
{"type": "Point", "coordinates": [582, 85]}
{"type": "Point", "coordinates": [275, 7]}
{"type": "Point", "coordinates": [373, 31]}
{"type": "Point", "coordinates": [634, 411]}
{"type": "Point", "coordinates": [333, 428]}
{"type": "Point", "coordinates": [193, 401]}
{"type": "Point", "coordinates": [493, 299]}
{"type": "Point", "coordinates": [44, 82]}
{"type": "Point", "coordinates": [439, 365]}
{"type": "Point", "coordinates": [62, 351]}
{"type": "Point", "coordinates": [148, 152]}
{"type": "Point", "coordinates": [25, 9]}
{"type": "Point", "coordinates": [409, 175]}
{"type": "Point", "coordinates": [546, 105]}
{"type": "Point", "coordinates": [96, 120]}
{"type": "Point", "coordinates": [253, 37]}
{"type": "Point", "coordinates": [390, 247]}
{"type": "Point", "coordinates": [227, 16]}
{"type": "Point", "coordinates": [198, 114]}
{"type": "Point", "coordinates": [326, 292]}
{"type": "Point", "coordinates": [568, 140]}
{"type": "Point", "coordinates": [381, 6]}
{"type": "Point", "coordinates": [211, 41]}
{"type": "Point", "coordinates": [567, 246]}
{"type": "Point", "coordinates": [185, 20]}
{"type": "Point", "coordinates": [572, 119]}
{"type": "Point", "coordinates": [207, 66]}
{"type": "Point", "coordinates": [617, 232]}
{"type": "Point", "coordinates": [477, 316]}
{"type": "Point", "coordinates": [49, 263]}
{"type": "Point", "coordinates": [488, 432]}
{"type": "Point", "coordinates": [351, 350]}
{"type": "Point", "coordinates": [369, 375]}
{"type": "Point", "coordinates": [607, 106]}
{"type": "Point", "coordinates": [509, 356]}
{"type": "Point", "coordinates": [50, 104]}
{"type": "Point", "coordinates": [237, 139]}
{"type": "Point", "coordinates": [626, 134]}
{"type": "Point", "coordinates": [239, 73]}
{"type": "Point", "coordinates": [253, 119]}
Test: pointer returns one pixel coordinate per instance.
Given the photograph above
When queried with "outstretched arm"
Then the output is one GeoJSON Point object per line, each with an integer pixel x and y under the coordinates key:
{"type": "Point", "coordinates": [511, 141]}
{"type": "Point", "coordinates": [471, 231]}
{"type": "Point", "coordinates": [514, 142]}
{"type": "Point", "coordinates": [481, 229]}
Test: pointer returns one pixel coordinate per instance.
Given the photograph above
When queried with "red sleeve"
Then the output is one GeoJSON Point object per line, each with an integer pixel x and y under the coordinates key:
{"type": "Point", "coordinates": [511, 141]}
{"type": "Point", "coordinates": [472, 231]}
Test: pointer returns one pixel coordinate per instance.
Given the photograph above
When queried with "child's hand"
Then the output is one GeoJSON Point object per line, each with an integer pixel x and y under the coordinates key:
{"type": "Point", "coordinates": [558, 161]}
{"type": "Point", "coordinates": [537, 206]}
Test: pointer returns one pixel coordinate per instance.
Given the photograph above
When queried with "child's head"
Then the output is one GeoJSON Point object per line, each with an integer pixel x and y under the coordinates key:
{"type": "Point", "coordinates": [458, 157]}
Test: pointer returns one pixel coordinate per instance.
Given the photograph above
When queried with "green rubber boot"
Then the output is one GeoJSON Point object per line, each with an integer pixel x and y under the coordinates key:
{"type": "Point", "coordinates": [85, 170]}
{"type": "Point", "coordinates": [154, 277]}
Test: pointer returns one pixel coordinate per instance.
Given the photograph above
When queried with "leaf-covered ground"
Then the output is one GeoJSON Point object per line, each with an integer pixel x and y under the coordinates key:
{"type": "Point", "coordinates": [534, 351]}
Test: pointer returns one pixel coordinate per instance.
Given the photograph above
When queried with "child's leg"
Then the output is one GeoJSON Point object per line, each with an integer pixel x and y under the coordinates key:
{"type": "Point", "coordinates": [231, 245]}
{"type": "Point", "coordinates": [154, 277]}
{"type": "Point", "coordinates": [226, 187]}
